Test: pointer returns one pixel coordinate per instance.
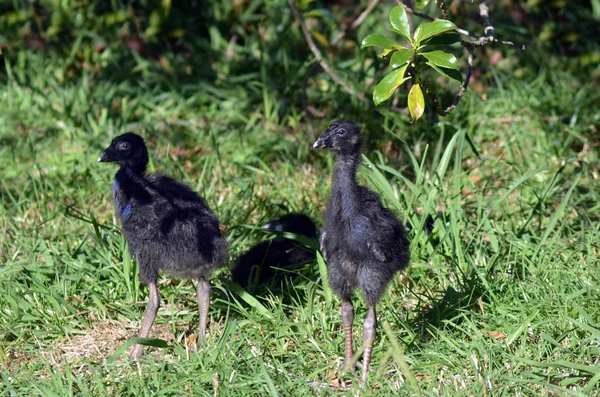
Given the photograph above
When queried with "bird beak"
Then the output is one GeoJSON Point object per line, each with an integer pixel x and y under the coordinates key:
{"type": "Point", "coordinates": [273, 225]}
{"type": "Point", "coordinates": [102, 158]}
{"type": "Point", "coordinates": [320, 143]}
{"type": "Point", "coordinates": [106, 156]}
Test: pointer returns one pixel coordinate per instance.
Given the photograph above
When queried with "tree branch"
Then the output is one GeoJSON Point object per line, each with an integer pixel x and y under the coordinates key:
{"type": "Point", "coordinates": [443, 9]}
{"type": "Point", "coordinates": [479, 40]}
{"type": "Point", "coordinates": [463, 89]}
{"type": "Point", "coordinates": [356, 22]}
{"type": "Point", "coordinates": [485, 17]}
{"type": "Point", "coordinates": [319, 56]}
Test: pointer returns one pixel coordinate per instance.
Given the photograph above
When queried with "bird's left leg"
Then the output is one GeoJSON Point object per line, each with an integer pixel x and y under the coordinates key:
{"type": "Point", "coordinates": [347, 320]}
{"type": "Point", "coordinates": [369, 335]}
{"type": "Point", "coordinates": [203, 303]}
{"type": "Point", "coordinates": [148, 320]}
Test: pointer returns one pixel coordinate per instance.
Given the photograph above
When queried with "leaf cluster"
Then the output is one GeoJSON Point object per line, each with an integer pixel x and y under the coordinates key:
{"type": "Point", "coordinates": [408, 61]}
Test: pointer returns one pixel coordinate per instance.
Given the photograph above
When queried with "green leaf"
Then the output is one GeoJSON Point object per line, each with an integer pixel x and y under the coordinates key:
{"type": "Point", "coordinates": [556, 217]}
{"type": "Point", "coordinates": [429, 29]}
{"type": "Point", "coordinates": [319, 13]}
{"type": "Point", "coordinates": [450, 73]}
{"type": "Point", "coordinates": [160, 343]}
{"type": "Point", "coordinates": [323, 274]}
{"type": "Point", "coordinates": [399, 22]}
{"type": "Point", "coordinates": [422, 4]}
{"type": "Point", "coordinates": [248, 298]}
{"type": "Point", "coordinates": [400, 57]}
{"type": "Point", "coordinates": [442, 39]}
{"type": "Point", "coordinates": [379, 40]}
{"type": "Point", "coordinates": [521, 329]}
{"type": "Point", "coordinates": [388, 85]}
{"type": "Point", "coordinates": [416, 102]}
{"type": "Point", "coordinates": [320, 38]}
{"type": "Point", "coordinates": [442, 59]}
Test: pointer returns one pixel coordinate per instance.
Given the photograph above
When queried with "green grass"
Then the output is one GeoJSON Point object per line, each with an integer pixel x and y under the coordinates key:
{"type": "Point", "coordinates": [502, 298]}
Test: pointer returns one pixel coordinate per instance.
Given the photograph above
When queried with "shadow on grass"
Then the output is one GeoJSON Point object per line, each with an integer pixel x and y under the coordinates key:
{"type": "Point", "coordinates": [449, 307]}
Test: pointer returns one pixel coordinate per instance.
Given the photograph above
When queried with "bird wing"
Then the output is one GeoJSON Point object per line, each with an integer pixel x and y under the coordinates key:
{"type": "Point", "coordinates": [376, 225]}
{"type": "Point", "coordinates": [377, 251]}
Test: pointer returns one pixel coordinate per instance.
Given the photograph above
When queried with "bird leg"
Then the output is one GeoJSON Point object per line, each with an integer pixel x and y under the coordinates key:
{"type": "Point", "coordinates": [148, 320]}
{"type": "Point", "coordinates": [347, 321]}
{"type": "Point", "coordinates": [369, 334]}
{"type": "Point", "coordinates": [203, 302]}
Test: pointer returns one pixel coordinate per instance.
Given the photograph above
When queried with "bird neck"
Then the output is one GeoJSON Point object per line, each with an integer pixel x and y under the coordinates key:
{"type": "Point", "coordinates": [138, 168]}
{"type": "Point", "coordinates": [128, 185]}
{"type": "Point", "coordinates": [133, 172]}
{"type": "Point", "coordinates": [344, 199]}
{"type": "Point", "coordinates": [345, 171]}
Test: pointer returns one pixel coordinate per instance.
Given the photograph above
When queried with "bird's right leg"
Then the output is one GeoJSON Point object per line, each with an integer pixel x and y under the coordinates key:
{"type": "Point", "coordinates": [369, 335]}
{"type": "Point", "coordinates": [203, 297]}
{"type": "Point", "coordinates": [347, 321]}
{"type": "Point", "coordinates": [148, 320]}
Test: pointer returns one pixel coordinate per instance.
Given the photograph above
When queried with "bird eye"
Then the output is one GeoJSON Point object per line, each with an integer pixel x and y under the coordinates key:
{"type": "Point", "coordinates": [124, 146]}
{"type": "Point", "coordinates": [341, 132]}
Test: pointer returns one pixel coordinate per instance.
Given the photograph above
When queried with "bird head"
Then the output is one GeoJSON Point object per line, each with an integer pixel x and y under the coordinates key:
{"type": "Point", "coordinates": [294, 223]}
{"type": "Point", "coordinates": [341, 136]}
{"type": "Point", "coordinates": [127, 150]}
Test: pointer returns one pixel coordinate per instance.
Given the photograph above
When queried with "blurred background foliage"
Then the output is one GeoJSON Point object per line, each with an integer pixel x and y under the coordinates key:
{"type": "Point", "coordinates": [227, 42]}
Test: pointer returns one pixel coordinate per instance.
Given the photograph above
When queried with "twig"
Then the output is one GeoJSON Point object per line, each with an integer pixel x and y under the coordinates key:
{"type": "Point", "coordinates": [479, 40]}
{"type": "Point", "coordinates": [305, 97]}
{"type": "Point", "coordinates": [309, 111]}
{"type": "Point", "coordinates": [443, 9]}
{"type": "Point", "coordinates": [485, 17]}
{"type": "Point", "coordinates": [319, 56]}
{"type": "Point", "coordinates": [462, 90]}
{"type": "Point", "coordinates": [424, 16]}
{"type": "Point", "coordinates": [356, 22]}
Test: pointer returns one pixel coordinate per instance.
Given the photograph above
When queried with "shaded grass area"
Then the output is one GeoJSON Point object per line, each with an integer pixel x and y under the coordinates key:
{"type": "Point", "coordinates": [501, 298]}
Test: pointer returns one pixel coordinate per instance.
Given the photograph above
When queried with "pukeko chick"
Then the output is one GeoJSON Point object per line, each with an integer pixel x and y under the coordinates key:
{"type": "Point", "coordinates": [167, 226]}
{"type": "Point", "coordinates": [281, 252]}
{"type": "Point", "coordinates": [362, 242]}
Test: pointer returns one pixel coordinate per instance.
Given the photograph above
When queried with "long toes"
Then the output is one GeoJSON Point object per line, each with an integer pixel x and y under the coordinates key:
{"type": "Point", "coordinates": [347, 366]}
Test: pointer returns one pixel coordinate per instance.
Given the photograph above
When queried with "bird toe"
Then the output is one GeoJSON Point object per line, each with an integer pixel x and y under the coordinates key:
{"type": "Point", "coordinates": [348, 366]}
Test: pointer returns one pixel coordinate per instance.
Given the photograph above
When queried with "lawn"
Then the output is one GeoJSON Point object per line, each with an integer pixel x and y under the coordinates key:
{"type": "Point", "coordinates": [502, 297]}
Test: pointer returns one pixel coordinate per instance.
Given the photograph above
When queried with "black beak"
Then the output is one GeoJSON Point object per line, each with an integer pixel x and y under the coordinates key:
{"type": "Point", "coordinates": [320, 143]}
{"type": "Point", "coordinates": [106, 156]}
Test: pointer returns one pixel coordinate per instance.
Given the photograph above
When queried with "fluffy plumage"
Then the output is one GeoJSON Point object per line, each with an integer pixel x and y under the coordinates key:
{"type": "Point", "coordinates": [167, 226]}
{"type": "Point", "coordinates": [363, 243]}
{"type": "Point", "coordinates": [278, 253]}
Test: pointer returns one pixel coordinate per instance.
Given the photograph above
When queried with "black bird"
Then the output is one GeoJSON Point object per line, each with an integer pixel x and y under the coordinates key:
{"type": "Point", "coordinates": [167, 226]}
{"type": "Point", "coordinates": [256, 266]}
{"type": "Point", "coordinates": [362, 242]}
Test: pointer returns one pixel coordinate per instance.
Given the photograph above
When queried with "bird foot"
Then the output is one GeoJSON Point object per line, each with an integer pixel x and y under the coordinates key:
{"type": "Point", "coordinates": [347, 366]}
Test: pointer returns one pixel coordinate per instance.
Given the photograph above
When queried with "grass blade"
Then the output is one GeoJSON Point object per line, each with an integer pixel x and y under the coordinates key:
{"type": "Point", "coordinates": [398, 354]}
